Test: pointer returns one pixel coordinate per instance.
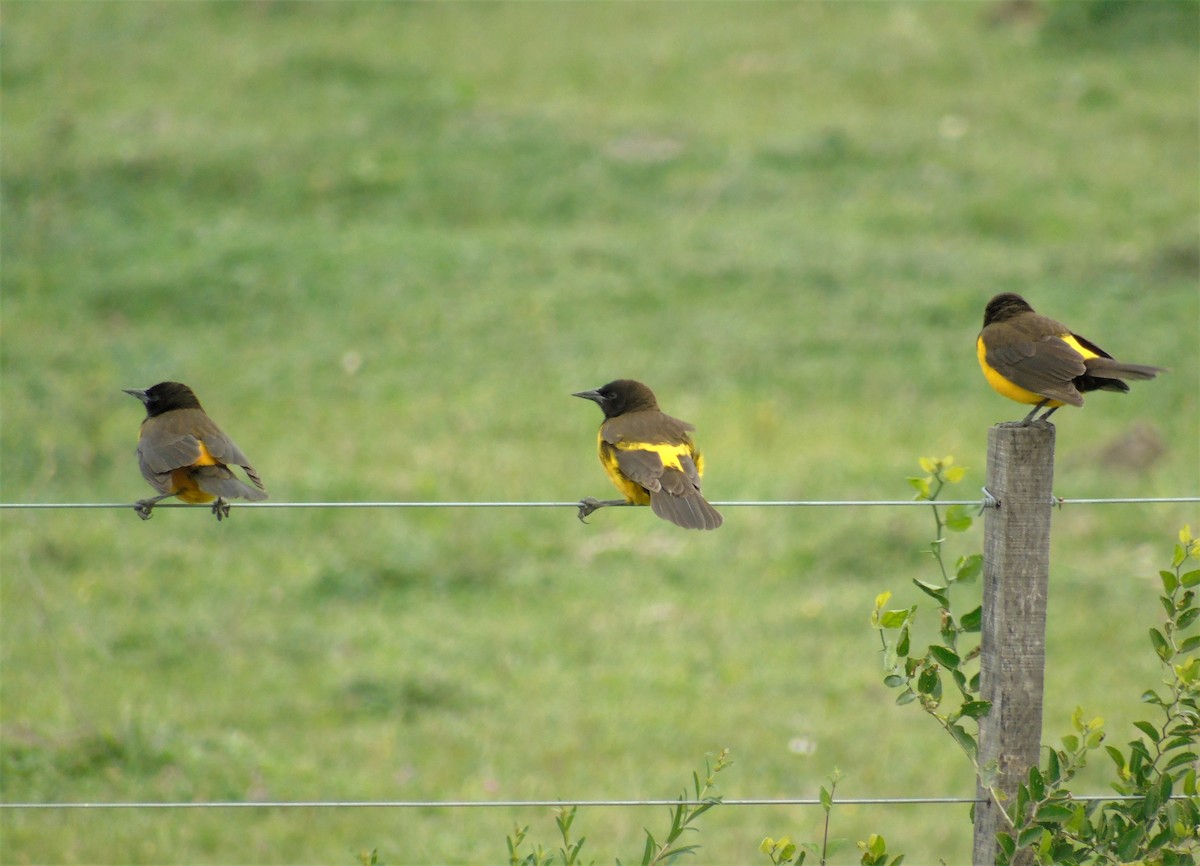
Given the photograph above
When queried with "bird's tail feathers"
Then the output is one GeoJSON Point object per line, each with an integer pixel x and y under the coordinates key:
{"type": "Point", "coordinates": [1107, 368]}
{"type": "Point", "coordinates": [220, 481]}
{"type": "Point", "coordinates": [691, 511]}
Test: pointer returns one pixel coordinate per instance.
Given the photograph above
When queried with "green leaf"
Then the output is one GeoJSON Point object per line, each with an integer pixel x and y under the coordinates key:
{"type": "Point", "coordinates": [1029, 836]}
{"type": "Point", "coordinates": [1054, 813]}
{"type": "Point", "coordinates": [1170, 581]}
{"type": "Point", "coordinates": [929, 681]}
{"type": "Point", "coordinates": [932, 590]}
{"type": "Point", "coordinates": [972, 621]}
{"type": "Point", "coordinates": [957, 518]}
{"type": "Point", "coordinates": [1037, 784]}
{"type": "Point", "coordinates": [1190, 579]}
{"type": "Point", "coordinates": [1127, 845]}
{"type": "Point", "coordinates": [989, 774]}
{"type": "Point", "coordinates": [1161, 647]}
{"type": "Point", "coordinates": [1149, 730]}
{"type": "Point", "coordinates": [1187, 617]}
{"type": "Point", "coordinates": [1007, 844]}
{"type": "Point", "coordinates": [1190, 645]}
{"type": "Point", "coordinates": [826, 799]}
{"type": "Point", "coordinates": [1183, 759]}
{"type": "Point", "coordinates": [1053, 770]}
{"type": "Point", "coordinates": [965, 740]}
{"type": "Point", "coordinates": [894, 618]}
{"type": "Point", "coordinates": [1165, 784]}
{"type": "Point", "coordinates": [1117, 756]}
{"type": "Point", "coordinates": [836, 845]}
{"type": "Point", "coordinates": [1189, 672]}
{"type": "Point", "coordinates": [904, 642]}
{"type": "Point", "coordinates": [945, 656]}
{"type": "Point", "coordinates": [975, 709]}
{"type": "Point", "coordinates": [894, 681]}
{"type": "Point", "coordinates": [648, 853]}
{"type": "Point", "coordinates": [968, 568]}
{"type": "Point", "coordinates": [921, 485]}
{"type": "Point", "coordinates": [906, 697]}
{"type": "Point", "coordinates": [1181, 742]}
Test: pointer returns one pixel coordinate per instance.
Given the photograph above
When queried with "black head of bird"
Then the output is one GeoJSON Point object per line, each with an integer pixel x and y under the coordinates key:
{"type": "Point", "coordinates": [620, 396]}
{"type": "Point", "coordinates": [164, 397]}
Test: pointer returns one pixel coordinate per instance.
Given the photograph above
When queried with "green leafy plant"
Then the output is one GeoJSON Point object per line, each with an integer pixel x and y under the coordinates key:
{"type": "Point", "coordinates": [567, 854]}
{"type": "Point", "coordinates": [656, 852]}
{"type": "Point", "coordinates": [785, 852]}
{"type": "Point", "coordinates": [922, 678]}
{"type": "Point", "coordinates": [1156, 819]}
{"type": "Point", "coordinates": [1155, 816]}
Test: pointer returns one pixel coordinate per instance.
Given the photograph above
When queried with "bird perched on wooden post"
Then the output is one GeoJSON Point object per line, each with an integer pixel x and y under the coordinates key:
{"type": "Point", "coordinates": [1035, 360]}
{"type": "Point", "coordinates": [183, 453]}
{"type": "Point", "coordinates": [649, 456]}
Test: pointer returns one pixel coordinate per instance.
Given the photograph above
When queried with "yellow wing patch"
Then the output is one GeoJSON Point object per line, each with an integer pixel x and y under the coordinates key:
{"type": "Point", "coordinates": [185, 484]}
{"type": "Point", "coordinates": [1070, 340]}
{"type": "Point", "coordinates": [205, 459]}
{"type": "Point", "coordinates": [668, 454]}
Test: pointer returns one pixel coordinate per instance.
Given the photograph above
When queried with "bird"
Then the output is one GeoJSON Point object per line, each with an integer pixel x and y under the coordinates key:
{"type": "Point", "coordinates": [649, 456]}
{"type": "Point", "coordinates": [183, 453]}
{"type": "Point", "coordinates": [1035, 360]}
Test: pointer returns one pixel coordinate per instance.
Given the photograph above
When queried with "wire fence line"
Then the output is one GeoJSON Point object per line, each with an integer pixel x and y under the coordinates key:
{"type": "Point", "coordinates": [622, 803]}
{"type": "Point", "coordinates": [747, 503]}
{"type": "Point", "coordinates": [527, 804]}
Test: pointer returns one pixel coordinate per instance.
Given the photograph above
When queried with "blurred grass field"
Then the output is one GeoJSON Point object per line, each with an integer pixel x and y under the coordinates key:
{"type": "Point", "coordinates": [385, 242]}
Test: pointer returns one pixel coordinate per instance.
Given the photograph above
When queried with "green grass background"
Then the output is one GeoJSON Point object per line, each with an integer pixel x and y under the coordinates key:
{"type": "Point", "coordinates": [385, 242]}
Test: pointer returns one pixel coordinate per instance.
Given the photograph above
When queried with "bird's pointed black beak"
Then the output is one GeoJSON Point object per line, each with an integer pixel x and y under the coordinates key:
{"type": "Point", "coordinates": [593, 395]}
{"type": "Point", "coordinates": [136, 392]}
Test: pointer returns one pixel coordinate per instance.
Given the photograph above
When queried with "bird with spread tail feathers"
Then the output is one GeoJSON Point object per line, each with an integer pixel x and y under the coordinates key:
{"type": "Point", "coordinates": [1035, 360]}
{"type": "Point", "coordinates": [183, 453]}
{"type": "Point", "coordinates": [649, 456]}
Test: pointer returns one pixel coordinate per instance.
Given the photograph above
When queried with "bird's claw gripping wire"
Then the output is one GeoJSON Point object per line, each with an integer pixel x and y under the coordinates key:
{"type": "Point", "coordinates": [586, 506]}
{"type": "Point", "coordinates": [589, 504]}
{"type": "Point", "coordinates": [144, 508]}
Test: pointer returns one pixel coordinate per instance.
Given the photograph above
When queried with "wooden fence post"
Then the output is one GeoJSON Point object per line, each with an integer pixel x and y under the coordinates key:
{"type": "Point", "coordinates": [1016, 569]}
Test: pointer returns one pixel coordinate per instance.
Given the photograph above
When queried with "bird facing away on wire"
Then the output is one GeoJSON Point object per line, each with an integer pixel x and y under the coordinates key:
{"type": "Point", "coordinates": [1037, 361]}
{"type": "Point", "coordinates": [183, 453]}
{"type": "Point", "coordinates": [649, 456]}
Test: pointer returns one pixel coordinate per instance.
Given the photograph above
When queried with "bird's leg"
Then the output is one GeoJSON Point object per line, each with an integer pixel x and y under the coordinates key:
{"type": "Point", "coordinates": [1049, 412]}
{"type": "Point", "coordinates": [144, 507]}
{"type": "Point", "coordinates": [1028, 419]}
{"type": "Point", "coordinates": [587, 505]}
{"type": "Point", "coordinates": [221, 509]}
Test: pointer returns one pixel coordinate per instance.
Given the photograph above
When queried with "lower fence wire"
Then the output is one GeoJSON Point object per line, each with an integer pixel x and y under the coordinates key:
{"type": "Point", "coordinates": [519, 804]}
{"type": "Point", "coordinates": [527, 804]}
